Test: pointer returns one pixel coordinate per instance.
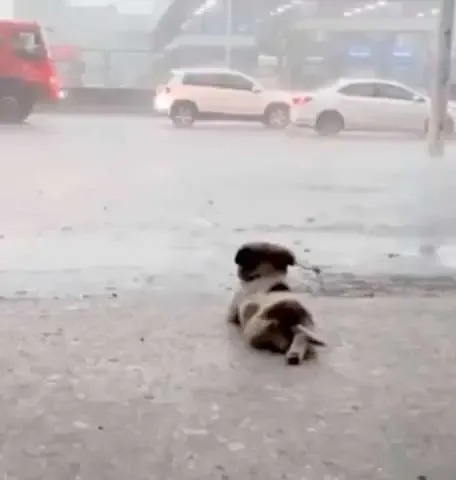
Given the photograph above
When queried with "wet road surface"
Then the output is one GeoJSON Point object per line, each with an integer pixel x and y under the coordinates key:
{"type": "Point", "coordinates": [127, 369]}
{"type": "Point", "coordinates": [122, 196]}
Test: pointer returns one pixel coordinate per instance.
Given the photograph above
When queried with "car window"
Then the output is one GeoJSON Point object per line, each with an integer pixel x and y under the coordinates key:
{"type": "Point", "coordinates": [176, 77]}
{"type": "Point", "coordinates": [197, 79]}
{"type": "Point", "coordinates": [358, 90]}
{"type": "Point", "coordinates": [393, 92]}
{"type": "Point", "coordinates": [234, 82]}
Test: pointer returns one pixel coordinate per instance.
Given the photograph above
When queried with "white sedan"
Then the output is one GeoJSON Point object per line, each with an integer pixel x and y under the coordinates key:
{"type": "Point", "coordinates": [365, 105]}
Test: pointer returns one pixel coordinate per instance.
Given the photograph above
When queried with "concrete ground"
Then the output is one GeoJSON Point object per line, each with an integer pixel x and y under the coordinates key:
{"type": "Point", "coordinates": [116, 267]}
{"type": "Point", "coordinates": [155, 386]}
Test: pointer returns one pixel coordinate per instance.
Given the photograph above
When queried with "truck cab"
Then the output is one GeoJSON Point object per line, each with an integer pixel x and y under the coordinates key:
{"type": "Point", "coordinates": [27, 73]}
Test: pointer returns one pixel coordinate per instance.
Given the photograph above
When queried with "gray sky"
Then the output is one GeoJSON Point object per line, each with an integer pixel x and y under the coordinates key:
{"type": "Point", "coordinates": [6, 8]}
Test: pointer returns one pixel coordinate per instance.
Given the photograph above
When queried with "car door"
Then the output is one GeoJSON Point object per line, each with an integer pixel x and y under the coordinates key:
{"type": "Point", "coordinates": [400, 108]}
{"type": "Point", "coordinates": [355, 102]}
{"type": "Point", "coordinates": [239, 97]}
{"type": "Point", "coordinates": [202, 88]}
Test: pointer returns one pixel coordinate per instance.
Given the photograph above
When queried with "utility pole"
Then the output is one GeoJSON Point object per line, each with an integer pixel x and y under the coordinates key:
{"type": "Point", "coordinates": [228, 32]}
{"type": "Point", "coordinates": [439, 106]}
{"type": "Point", "coordinates": [441, 79]}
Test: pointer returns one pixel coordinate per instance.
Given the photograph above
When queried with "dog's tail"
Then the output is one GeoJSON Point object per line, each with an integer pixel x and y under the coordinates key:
{"type": "Point", "coordinates": [291, 314]}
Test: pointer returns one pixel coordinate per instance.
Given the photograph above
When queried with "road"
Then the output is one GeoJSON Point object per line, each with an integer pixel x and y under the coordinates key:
{"type": "Point", "coordinates": [120, 197]}
{"type": "Point", "coordinates": [116, 268]}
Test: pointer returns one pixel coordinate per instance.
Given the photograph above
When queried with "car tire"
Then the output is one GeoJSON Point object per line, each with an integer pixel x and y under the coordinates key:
{"type": "Point", "coordinates": [277, 116]}
{"type": "Point", "coordinates": [329, 123]}
{"type": "Point", "coordinates": [183, 114]}
{"type": "Point", "coordinates": [449, 127]}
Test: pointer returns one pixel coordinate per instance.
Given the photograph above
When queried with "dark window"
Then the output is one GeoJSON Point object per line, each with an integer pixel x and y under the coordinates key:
{"type": "Point", "coordinates": [29, 44]}
{"type": "Point", "coordinates": [234, 82]}
{"type": "Point", "coordinates": [200, 79]}
{"type": "Point", "coordinates": [27, 41]}
{"type": "Point", "coordinates": [220, 80]}
{"type": "Point", "coordinates": [358, 90]}
{"type": "Point", "coordinates": [393, 92]}
{"type": "Point", "coordinates": [176, 77]}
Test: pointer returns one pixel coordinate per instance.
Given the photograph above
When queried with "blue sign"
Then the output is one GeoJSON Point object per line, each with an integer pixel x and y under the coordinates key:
{"type": "Point", "coordinates": [403, 56]}
{"type": "Point", "coordinates": [315, 58]}
{"type": "Point", "coordinates": [402, 53]}
{"type": "Point", "coordinates": [359, 51]}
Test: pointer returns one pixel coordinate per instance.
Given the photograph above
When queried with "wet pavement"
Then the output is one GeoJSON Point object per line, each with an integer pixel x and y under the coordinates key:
{"type": "Point", "coordinates": [156, 386]}
{"type": "Point", "coordinates": [116, 247]}
{"type": "Point", "coordinates": [122, 197]}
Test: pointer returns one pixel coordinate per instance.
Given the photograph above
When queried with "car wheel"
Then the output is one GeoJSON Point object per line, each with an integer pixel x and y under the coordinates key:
{"type": "Point", "coordinates": [449, 127]}
{"type": "Point", "coordinates": [329, 123]}
{"type": "Point", "coordinates": [183, 114]}
{"type": "Point", "coordinates": [277, 117]}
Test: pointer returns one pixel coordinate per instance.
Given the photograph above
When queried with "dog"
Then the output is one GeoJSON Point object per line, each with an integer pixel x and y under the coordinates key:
{"type": "Point", "coordinates": [271, 316]}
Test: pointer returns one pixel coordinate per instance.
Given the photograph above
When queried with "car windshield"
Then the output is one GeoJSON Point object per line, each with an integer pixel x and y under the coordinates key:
{"type": "Point", "coordinates": [256, 85]}
{"type": "Point", "coordinates": [329, 84]}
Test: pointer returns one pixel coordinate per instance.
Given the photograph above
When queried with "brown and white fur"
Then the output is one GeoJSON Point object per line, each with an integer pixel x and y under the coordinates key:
{"type": "Point", "coordinates": [270, 315]}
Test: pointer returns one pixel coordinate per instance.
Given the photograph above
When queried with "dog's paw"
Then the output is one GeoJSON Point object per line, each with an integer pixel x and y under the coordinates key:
{"type": "Point", "coordinates": [293, 359]}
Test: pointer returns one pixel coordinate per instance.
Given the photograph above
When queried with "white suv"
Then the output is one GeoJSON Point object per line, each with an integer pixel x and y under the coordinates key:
{"type": "Point", "coordinates": [221, 94]}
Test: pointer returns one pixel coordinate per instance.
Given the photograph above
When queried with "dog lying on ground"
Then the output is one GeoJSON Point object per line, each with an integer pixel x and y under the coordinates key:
{"type": "Point", "coordinates": [271, 316]}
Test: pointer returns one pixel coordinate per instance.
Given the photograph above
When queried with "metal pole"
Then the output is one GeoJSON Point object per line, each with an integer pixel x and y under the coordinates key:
{"type": "Point", "coordinates": [441, 79]}
{"type": "Point", "coordinates": [228, 32]}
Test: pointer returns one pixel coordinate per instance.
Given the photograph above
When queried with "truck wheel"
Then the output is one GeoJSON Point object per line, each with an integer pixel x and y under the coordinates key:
{"type": "Point", "coordinates": [9, 109]}
{"type": "Point", "coordinates": [12, 110]}
{"type": "Point", "coordinates": [25, 109]}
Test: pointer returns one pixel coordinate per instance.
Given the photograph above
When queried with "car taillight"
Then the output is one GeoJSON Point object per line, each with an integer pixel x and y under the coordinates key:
{"type": "Point", "coordinates": [301, 100]}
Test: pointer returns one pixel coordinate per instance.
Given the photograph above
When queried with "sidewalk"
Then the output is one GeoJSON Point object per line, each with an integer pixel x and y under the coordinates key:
{"type": "Point", "coordinates": [155, 386]}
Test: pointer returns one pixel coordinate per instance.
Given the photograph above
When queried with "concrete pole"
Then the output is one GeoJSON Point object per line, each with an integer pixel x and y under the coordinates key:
{"type": "Point", "coordinates": [441, 79]}
{"type": "Point", "coordinates": [436, 133]}
{"type": "Point", "coordinates": [228, 32]}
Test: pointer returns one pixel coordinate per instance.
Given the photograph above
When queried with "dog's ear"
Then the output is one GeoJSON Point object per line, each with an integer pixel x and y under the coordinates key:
{"type": "Point", "coordinates": [282, 258]}
{"type": "Point", "coordinates": [252, 254]}
{"type": "Point", "coordinates": [247, 256]}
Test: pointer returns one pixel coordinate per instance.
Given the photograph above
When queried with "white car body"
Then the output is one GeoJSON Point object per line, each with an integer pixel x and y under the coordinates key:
{"type": "Point", "coordinates": [219, 94]}
{"type": "Point", "coordinates": [366, 105]}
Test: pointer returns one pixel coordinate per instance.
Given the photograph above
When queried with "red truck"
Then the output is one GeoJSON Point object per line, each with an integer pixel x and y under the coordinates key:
{"type": "Point", "coordinates": [27, 72]}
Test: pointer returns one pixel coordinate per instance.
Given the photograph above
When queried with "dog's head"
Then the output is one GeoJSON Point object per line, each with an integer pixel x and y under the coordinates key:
{"type": "Point", "coordinates": [256, 260]}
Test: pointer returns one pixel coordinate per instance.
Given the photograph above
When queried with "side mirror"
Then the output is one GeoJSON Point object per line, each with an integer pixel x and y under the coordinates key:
{"type": "Point", "coordinates": [418, 99]}
{"type": "Point", "coordinates": [256, 89]}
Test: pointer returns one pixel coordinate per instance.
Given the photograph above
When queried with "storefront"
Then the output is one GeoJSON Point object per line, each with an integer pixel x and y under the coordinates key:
{"type": "Point", "coordinates": [316, 57]}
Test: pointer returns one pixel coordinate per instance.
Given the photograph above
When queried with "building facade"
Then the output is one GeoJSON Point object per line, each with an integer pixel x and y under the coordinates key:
{"type": "Point", "coordinates": [312, 40]}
